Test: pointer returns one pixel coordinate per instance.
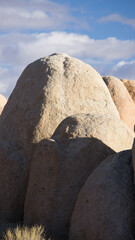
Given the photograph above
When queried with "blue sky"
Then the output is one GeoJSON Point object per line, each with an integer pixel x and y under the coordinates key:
{"type": "Point", "coordinates": [99, 32]}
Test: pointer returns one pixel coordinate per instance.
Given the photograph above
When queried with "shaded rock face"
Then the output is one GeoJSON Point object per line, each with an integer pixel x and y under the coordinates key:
{"type": "Point", "coordinates": [130, 85]}
{"type": "Point", "coordinates": [48, 90]}
{"type": "Point", "coordinates": [61, 166]}
{"type": "Point", "coordinates": [13, 183]}
{"type": "Point", "coordinates": [133, 158]}
{"type": "Point", "coordinates": [122, 100]}
{"type": "Point", "coordinates": [105, 208]}
{"type": "Point", "coordinates": [3, 102]}
{"type": "Point", "coordinates": [56, 179]}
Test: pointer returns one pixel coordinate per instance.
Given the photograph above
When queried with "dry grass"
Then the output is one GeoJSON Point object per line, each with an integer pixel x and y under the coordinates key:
{"type": "Point", "coordinates": [25, 233]}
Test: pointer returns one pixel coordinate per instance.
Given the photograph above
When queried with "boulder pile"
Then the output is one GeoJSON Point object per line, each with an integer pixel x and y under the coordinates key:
{"type": "Point", "coordinates": [66, 162]}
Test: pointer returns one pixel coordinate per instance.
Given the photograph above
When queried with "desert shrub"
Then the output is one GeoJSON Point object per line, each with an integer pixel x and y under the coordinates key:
{"type": "Point", "coordinates": [24, 233]}
{"type": "Point", "coordinates": [4, 226]}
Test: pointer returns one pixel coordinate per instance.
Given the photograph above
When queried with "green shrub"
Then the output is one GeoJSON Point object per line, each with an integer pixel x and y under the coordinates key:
{"type": "Point", "coordinates": [24, 233]}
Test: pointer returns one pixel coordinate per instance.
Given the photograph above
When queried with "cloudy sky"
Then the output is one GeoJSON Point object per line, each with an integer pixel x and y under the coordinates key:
{"type": "Point", "coordinates": [99, 32]}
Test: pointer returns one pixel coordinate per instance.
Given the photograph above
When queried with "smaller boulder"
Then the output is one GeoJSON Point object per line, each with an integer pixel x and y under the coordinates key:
{"type": "Point", "coordinates": [56, 177]}
{"type": "Point", "coordinates": [122, 100]}
{"type": "Point", "coordinates": [109, 129]}
{"type": "Point", "coordinates": [105, 208]}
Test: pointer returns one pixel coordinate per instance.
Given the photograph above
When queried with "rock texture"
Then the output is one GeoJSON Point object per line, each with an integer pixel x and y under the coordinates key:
{"type": "Point", "coordinates": [61, 166]}
{"type": "Point", "coordinates": [3, 102]}
{"type": "Point", "coordinates": [122, 100]}
{"type": "Point", "coordinates": [110, 130]}
{"type": "Point", "coordinates": [48, 90]}
{"type": "Point", "coordinates": [105, 208]}
{"type": "Point", "coordinates": [130, 85]}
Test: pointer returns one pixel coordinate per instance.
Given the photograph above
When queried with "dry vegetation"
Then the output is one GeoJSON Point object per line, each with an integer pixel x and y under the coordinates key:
{"type": "Point", "coordinates": [25, 233]}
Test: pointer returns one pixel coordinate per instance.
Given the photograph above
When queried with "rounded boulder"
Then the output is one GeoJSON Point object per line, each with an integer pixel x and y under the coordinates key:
{"type": "Point", "coordinates": [105, 208]}
{"type": "Point", "coordinates": [122, 100]}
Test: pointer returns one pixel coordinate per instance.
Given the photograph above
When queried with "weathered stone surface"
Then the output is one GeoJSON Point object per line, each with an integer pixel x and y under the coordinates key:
{"type": "Point", "coordinates": [110, 130]}
{"type": "Point", "coordinates": [60, 168]}
{"type": "Point", "coordinates": [3, 102]}
{"type": "Point", "coordinates": [48, 90]}
{"type": "Point", "coordinates": [122, 100]}
{"type": "Point", "coordinates": [130, 85]}
{"type": "Point", "coordinates": [105, 208]}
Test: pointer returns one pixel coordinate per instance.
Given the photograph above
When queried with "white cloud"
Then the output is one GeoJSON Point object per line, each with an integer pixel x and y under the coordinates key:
{"type": "Point", "coordinates": [23, 48]}
{"type": "Point", "coordinates": [124, 69]}
{"type": "Point", "coordinates": [18, 50]}
{"type": "Point", "coordinates": [34, 15]}
{"type": "Point", "coordinates": [118, 18]}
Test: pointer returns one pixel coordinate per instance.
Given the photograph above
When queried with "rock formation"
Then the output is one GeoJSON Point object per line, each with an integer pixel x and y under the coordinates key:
{"type": "Point", "coordinates": [60, 168]}
{"type": "Point", "coordinates": [130, 85]}
{"type": "Point", "coordinates": [122, 100]}
{"type": "Point", "coordinates": [3, 102]}
{"type": "Point", "coordinates": [58, 126]}
{"type": "Point", "coordinates": [105, 208]}
{"type": "Point", "coordinates": [48, 90]}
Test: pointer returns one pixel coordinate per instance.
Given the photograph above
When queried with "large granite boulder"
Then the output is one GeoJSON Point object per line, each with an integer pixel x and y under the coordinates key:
{"type": "Point", "coordinates": [48, 90]}
{"type": "Point", "coordinates": [130, 85]}
{"type": "Point", "coordinates": [3, 102]}
{"type": "Point", "coordinates": [105, 208]}
{"type": "Point", "coordinates": [122, 100]}
{"type": "Point", "coordinates": [60, 167]}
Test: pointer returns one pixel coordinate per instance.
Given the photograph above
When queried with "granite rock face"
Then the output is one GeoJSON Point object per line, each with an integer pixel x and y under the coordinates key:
{"type": "Point", "coordinates": [122, 100]}
{"type": "Point", "coordinates": [105, 208]}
